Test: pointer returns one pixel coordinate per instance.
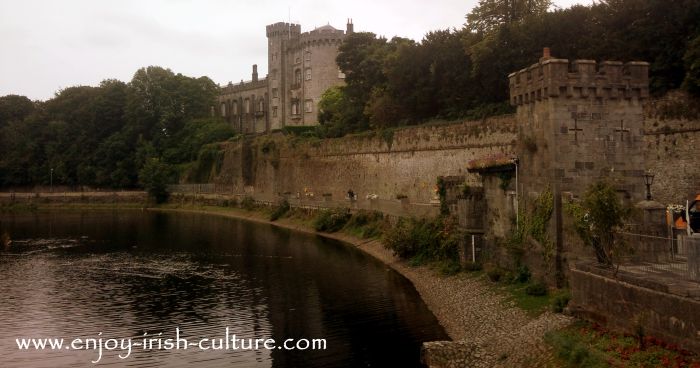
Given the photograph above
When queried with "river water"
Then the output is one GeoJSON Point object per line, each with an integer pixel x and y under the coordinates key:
{"type": "Point", "coordinates": [143, 276]}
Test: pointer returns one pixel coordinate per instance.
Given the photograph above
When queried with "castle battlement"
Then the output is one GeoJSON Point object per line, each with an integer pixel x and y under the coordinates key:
{"type": "Point", "coordinates": [283, 29]}
{"type": "Point", "coordinates": [559, 78]}
{"type": "Point", "coordinates": [321, 36]}
{"type": "Point", "coordinates": [244, 86]}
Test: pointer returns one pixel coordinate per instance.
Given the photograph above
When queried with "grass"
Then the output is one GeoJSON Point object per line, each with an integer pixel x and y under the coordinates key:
{"type": "Point", "coordinates": [588, 345]}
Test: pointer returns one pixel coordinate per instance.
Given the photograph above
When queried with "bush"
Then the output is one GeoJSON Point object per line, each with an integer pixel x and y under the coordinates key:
{"type": "Point", "coordinates": [331, 220]}
{"type": "Point", "coordinates": [495, 274]}
{"type": "Point", "coordinates": [366, 224]}
{"type": "Point", "coordinates": [536, 289]}
{"type": "Point", "coordinates": [280, 211]}
{"type": "Point", "coordinates": [523, 274]}
{"type": "Point", "coordinates": [433, 240]}
{"type": "Point", "coordinates": [248, 203]}
{"type": "Point", "coordinates": [472, 267]}
{"type": "Point", "coordinates": [449, 268]}
{"type": "Point", "coordinates": [560, 302]}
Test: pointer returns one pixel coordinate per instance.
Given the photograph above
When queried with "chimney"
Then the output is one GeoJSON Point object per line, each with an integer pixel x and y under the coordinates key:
{"type": "Point", "coordinates": [350, 27]}
{"type": "Point", "coordinates": [255, 72]}
{"type": "Point", "coordinates": [546, 55]}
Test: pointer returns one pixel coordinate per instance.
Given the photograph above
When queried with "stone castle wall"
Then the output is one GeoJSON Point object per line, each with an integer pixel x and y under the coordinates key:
{"type": "Point", "coordinates": [671, 145]}
{"type": "Point", "coordinates": [404, 162]}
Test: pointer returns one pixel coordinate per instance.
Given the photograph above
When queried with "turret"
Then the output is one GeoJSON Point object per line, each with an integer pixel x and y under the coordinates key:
{"type": "Point", "coordinates": [350, 27]}
{"type": "Point", "coordinates": [255, 72]}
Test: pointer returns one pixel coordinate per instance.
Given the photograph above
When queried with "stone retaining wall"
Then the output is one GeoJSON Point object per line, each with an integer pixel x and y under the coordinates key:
{"type": "Point", "coordinates": [625, 302]}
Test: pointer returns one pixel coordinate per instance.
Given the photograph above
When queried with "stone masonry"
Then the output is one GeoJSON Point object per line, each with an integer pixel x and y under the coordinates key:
{"type": "Point", "coordinates": [301, 68]}
{"type": "Point", "coordinates": [580, 122]}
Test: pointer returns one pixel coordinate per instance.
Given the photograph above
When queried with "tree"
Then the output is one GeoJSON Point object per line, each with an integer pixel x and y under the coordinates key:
{"type": "Point", "coordinates": [597, 219]}
{"type": "Point", "coordinates": [14, 108]}
{"type": "Point", "coordinates": [491, 14]}
{"type": "Point", "coordinates": [154, 176]}
{"type": "Point", "coordinates": [692, 67]}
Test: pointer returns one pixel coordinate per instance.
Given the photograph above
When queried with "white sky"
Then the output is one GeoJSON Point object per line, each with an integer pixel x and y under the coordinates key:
{"type": "Point", "coordinates": [49, 45]}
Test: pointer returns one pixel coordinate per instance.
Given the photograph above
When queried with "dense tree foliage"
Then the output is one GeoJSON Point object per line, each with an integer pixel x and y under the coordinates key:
{"type": "Point", "coordinates": [105, 135]}
{"type": "Point", "coordinates": [463, 73]}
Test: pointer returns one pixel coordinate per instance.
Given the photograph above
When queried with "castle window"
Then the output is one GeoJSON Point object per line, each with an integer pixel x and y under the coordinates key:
{"type": "Point", "coordinates": [341, 75]}
{"type": "Point", "coordinates": [247, 106]}
{"type": "Point", "coordinates": [295, 107]}
{"type": "Point", "coordinates": [309, 105]}
{"type": "Point", "coordinates": [275, 93]}
{"type": "Point", "coordinates": [297, 76]}
{"type": "Point", "coordinates": [261, 105]}
{"type": "Point", "coordinates": [274, 112]}
{"type": "Point", "coordinates": [308, 74]}
{"type": "Point", "coordinates": [274, 74]}
{"type": "Point", "coordinates": [297, 61]}
{"type": "Point", "coordinates": [307, 55]}
{"type": "Point", "coordinates": [223, 109]}
{"type": "Point", "coordinates": [235, 108]}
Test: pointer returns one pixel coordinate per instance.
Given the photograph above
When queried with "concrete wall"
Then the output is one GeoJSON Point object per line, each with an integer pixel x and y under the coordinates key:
{"type": "Point", "coordinates": [407, 161]}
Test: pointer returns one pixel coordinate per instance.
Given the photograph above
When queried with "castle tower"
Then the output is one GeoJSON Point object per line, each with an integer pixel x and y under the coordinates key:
{"type": "Point", "coordinates": [314, 70]}
{"type": "Point", "coordinates": [279, 38]}
{"type": "Point", "coordinates": [580, 122]}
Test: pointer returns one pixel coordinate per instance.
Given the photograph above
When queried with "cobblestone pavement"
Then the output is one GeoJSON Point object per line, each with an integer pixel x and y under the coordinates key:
{"type": "Point", "coordinates": [487, 330]}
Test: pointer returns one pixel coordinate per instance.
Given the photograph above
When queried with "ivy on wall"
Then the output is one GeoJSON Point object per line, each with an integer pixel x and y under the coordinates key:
{"type": "Point", "coordinates": [532, 228]}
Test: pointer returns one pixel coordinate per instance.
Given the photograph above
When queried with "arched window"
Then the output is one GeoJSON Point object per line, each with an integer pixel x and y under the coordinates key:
{"type": "Point", "coordinates": [261, 105]}
{"type": "Point", "coordinates": [234, 108]}
{"type": "Point", "coordinates": [223, 109]}
{"type": "Point", "coordinates": [295, 107]}
{"type": "Point", "coordinates": [297, 76]}
{"type": "Point", "coordinates": [247, 106]}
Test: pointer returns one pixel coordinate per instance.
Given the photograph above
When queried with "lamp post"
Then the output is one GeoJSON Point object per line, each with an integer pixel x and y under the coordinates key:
{"type": "Point", "coordinates": [648, 181]}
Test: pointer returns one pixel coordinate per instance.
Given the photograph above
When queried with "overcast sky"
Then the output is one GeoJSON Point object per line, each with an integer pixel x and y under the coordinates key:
{"type": "Point", "coordinates": [49, 45]}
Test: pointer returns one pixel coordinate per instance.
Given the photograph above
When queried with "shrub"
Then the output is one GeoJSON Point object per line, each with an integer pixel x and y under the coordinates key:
{"type": "Point", "coordinates": [523, 274]}
{"type": "Point", "coordinates": [331, 220]}
{"type": "Point", "coordinates": [248, 203]}
{"type": "Point", "coordinates": [472, 267]}
{"type": "Point", "coordinates": [280, 210]}
{"type": "Point", "coordinates": [436, 239]}
{"type": "Point", "coordinates": [495, 274]}
{"type": "Point", "coordinates": [560, 302]}
{"type": "Point", "coordinates": [449, 267]}
{"type": "Point", "coordinates": [366, 224]}
{"type": "Point", "coordinates": [536, 289]}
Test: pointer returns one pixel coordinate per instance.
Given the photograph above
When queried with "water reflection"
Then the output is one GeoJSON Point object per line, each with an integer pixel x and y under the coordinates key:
{"type": "Point", "coordinates": [74, 274]}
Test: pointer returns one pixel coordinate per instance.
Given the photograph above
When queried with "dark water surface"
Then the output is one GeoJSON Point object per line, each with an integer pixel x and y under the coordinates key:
{"type": "Point", "coordinates": [77, 274]}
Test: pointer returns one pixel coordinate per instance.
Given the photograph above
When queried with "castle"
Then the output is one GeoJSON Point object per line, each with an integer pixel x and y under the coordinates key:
{"type": "Point", "coordinates": [301, 67]}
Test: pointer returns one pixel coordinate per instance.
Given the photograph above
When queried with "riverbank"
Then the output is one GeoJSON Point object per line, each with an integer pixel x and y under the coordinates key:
{"type": "Point", "coordinates": [487, 328]}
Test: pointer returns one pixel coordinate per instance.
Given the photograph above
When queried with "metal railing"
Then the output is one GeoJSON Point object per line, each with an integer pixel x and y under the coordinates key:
{"type": "Point", "coordinates": [677, 257]}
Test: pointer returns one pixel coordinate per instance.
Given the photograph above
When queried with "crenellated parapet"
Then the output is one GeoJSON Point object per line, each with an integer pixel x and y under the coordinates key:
{"type": "Point", "coordinates": [243, 86]}
{"type": "Point", "coordinates": [319, 37]}
{"type": "Point", "coordinates": [283, 29]}
{"type": "Point", "coordinates": [559, 78]}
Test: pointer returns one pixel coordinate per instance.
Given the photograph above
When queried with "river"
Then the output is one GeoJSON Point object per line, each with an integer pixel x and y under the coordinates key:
{"type": "Point", "coordinates": [133, 278]}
